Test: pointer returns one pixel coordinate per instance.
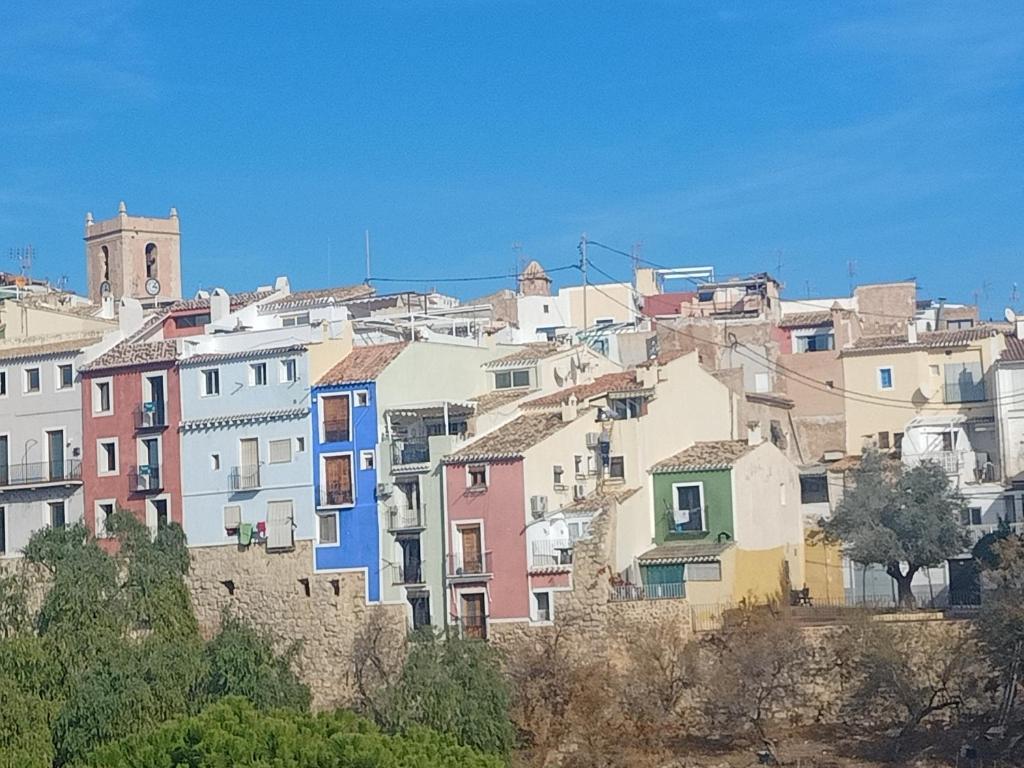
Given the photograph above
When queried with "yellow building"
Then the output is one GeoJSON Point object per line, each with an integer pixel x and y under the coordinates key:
{"type": "Point", "coordinates": [889, 380]}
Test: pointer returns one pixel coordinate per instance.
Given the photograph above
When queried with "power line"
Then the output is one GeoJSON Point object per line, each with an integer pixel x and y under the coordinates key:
{"type": "Point", "coordinates": [446, 279]}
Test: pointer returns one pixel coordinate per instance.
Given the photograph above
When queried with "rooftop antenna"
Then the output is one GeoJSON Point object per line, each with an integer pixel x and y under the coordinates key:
{"type": "Point", "coordinates": [24, 257]}
{"type": "Point", "coordinates": [778, 264]}
{"type": "Point", "coordinates": [518, 265]}
{"type": "Point", "coordinates": [366, 233]}
{"type": "Point", "coordinates": [807, 288]}
{"type": "Point", "coordinates": [329, 261]}
{"type": "Point", "coordinates": [1014, 295]}
{"type": "Point", "coordinates": [851, 270]}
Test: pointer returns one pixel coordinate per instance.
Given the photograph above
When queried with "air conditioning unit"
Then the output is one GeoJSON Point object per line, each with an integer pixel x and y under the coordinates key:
{"type": "Point", "coordinates": [578, 492]}
{"type": "Point", "coordinates": [593, 438]}
{"type": "Point", "coordinates": [538, 506]}
{"type": "Point", "coordinates": [383, 490]}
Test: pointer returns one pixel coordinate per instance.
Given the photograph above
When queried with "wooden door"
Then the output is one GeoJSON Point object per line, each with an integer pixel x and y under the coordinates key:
{"type": "Point", "coordinates": [472, 555]}
{"type": "Point", "coordinates": [55, 448]}
{"type": "Point", "coordinates": [336, 422]}
{"type": "Point", "coordinates": [473, 619]}
{"type": "Point", "coordinates": [338, 480]}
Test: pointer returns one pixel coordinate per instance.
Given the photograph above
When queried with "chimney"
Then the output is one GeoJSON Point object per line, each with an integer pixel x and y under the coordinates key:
{"type": "Point", "coordinates": [754, 434]}
{"type": "Point", "coordinates": [912, 332]}
{"type": "Point", "coordinates": [107, 307]}
{"type": "Point", "coordinates": [938, 313]}
{"type": "Point", "coordinates": [570, 409]}
{"type": "Point", "coordinates": [220, 304]}
{"type": "Point", "coordinates": [129, 316]}
{"type": "Point", "coordinates": [282, 285]}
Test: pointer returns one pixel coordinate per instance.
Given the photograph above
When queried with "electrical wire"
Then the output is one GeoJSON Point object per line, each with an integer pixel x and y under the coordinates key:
{"type": "Point", "coordinates": [463, 279]}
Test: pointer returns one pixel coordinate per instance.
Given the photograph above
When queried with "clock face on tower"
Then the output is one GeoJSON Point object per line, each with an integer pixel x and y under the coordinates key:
{"type": "Point", "coordinates": [152, 286]}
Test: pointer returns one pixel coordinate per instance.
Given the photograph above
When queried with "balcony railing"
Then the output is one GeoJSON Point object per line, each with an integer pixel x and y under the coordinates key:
{"type": "Point", "coordinates": [976, 532]}
{"type": "Point", "coordinates": [474, 627]}
{"type": "Point", "coordinates": [245, 478]}
{"type": "Point", "coordinates": [40, 472]}
{"type": "Point", "coordinates": [336, 432]}
{"type": "Point", "coordinates": [408, 573]}
{"type": "Point", "coordinates": [469, 564]}
{"type": "Point", "coordinates": [964, 392]}
{"type": "Point", "coordinates": [950, 461]}
{"type": "Point", "coordinates": [552, 554]}
{"type": "Point", "coordinates": [145, 478]}
{"type": "Point", "coordinates": [151, 416]}
{"type": "Point", "coordinates": [336, 496]}
{"type": "Point", "coordinates": [628, 592]}
{"type": "Point", "coordinates": [406, 452]}
{"type": "Point", "coordinates": [400, 518]}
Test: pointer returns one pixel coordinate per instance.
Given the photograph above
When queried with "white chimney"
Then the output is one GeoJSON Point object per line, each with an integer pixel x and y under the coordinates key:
{"type": "Point", "coordinates": [570, 409]}
{"type": "Point", "coordinates": [912, 332]}
{"type": "Point", "coordinates": [107, 307]}
{"type": "Point", "coordinates": [754, 434]}
{"type": "Point", "coordinates": [220, 304]}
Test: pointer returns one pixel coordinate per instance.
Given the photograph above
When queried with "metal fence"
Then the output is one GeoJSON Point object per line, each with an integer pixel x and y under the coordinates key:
{"type": "Point", "coordinates": [34, 472]}
{"type": "Point", "coordinates": [552, 553]}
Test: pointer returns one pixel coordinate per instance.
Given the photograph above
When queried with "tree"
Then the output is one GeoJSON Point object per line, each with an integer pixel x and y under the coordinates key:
{"type": "Point", "coordinates": [1001, 618]}
{"type": "Point", "coordinates": [456, 687]}
{"type": "Point", "coordinates": [904, 520]}
{"type": "Point", "coordinates": [233, 732]}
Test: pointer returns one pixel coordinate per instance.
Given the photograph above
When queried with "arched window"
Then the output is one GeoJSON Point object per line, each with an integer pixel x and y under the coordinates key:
{"type": "Point", "coordinates": [105, 255]}
{"type": "Point", "coordinates": [150, 260]}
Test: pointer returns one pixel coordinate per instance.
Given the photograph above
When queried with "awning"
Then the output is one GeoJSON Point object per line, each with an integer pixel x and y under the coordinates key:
{"type": "Point", "coordinates": [675, 552]}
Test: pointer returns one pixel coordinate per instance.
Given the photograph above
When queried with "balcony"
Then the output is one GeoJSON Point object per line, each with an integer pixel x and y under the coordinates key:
{"type": "Point", "coordinates": [145, 478]}
{"type": "Point", "coordinates": [469, 566]}
{"type": "Point", "coordinates": [629, 592]}
{"type": "Point", "coordinates": [337, 432]}
{"type": "Point", "coordinates": [963, 392]}
{"type": "Point", "coordinates": [400, 519]}
{"type": "Point", "coordinates": [407, 452]}
{"type": "Point", "coordinates": [555, 554]}
{"type": "Point", "coordinates": [40, 473]}
{"type": "Point", "coordinates": [335, 496]}
{"type": "Point", "coordinates": [245, 478]}
{"type": "Point", "coordinates": [976, 532]}
{"type": "Point", "coordinates": [408, 573]}
{"type": "Point", "coordinates": [151, 416]}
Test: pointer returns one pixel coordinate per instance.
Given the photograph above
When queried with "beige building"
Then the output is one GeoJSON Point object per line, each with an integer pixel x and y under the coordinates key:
{"type": "Point", "coordinates": [134, 256]}
{"type": "Point", "coordinates": [890, 380]}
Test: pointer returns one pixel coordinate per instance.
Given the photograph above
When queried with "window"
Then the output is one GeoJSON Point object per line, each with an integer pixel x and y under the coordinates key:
{"type": "Point", "coordinates": [289, 371]}
{"type": "Point", "coordinates": [258, 375]}
{"type": "Point", "coordinates": [160, 516]}
{"type": "Point", "coordinates": [577, 462]}
{"type": "Point", "coordinates": [970, 516]}
{"type": "Point", "coordinates": [232, 517]}
{"type": "Point", "coordinates": [813, 489]}
{"type": "Point", "coordinates": [964, 383]}
{"type": "Point", "coordinates": [336, 481]}
{"type": "Point", "coordinates": [703, 572]}
{"type": "Point", "coordinates": [101, 400]}
{"type": "Point", "coordinates": [897, 441]}
{"type": "Point", "coordinates": [933, 370]}
{"type": "Point", "coordinates": [578, 529]}
{"type": "Point", "coordinates": [280, 525]}
{"type": "Point", "coordinates": [151, 254]}
{"type": "Point", "coordinates": [688, 507]}
{"type": "Point", "coordinates": [280, 451]}
{"type": "Point", "coordinates": [327, 528]}
{"type": "Point", "coordinates": [542, 606]}
{"type": "Point", "coordinates": [106, 457]}
{"type": "Point", "coordinates": [627, 407]}
{"type": "Point", "coordinates": [947, 441]}
{"type": "Point", "coordinates": [477, 476]}
{"type": "Point", "coordinates": [367, 459]}
{"type": "Point", "coordinates": [215, 462]}
{"type": "Point", "coordinates": [57, 518]}
{"type": "Point", "coordinates": [362, 398]}
{"type": "Point", "coordinates": [65, 376]}
{"type": "Point", "coordinates": [885, 378]}
{"type": "Point", "coordinates": [289, 321]}
{"type": "Point", "coordinates": [335, 414]}
{"type": "Point", "coordinates": [1010, 509]}
{"type": "Point", "coordinates": [104, 509]}
{"type": "Point", "coordinates": [546, 309]}
{"type": "Point", "coordinates": [31, 380]}
{"type": "Point", "coordinates": [762, 382]}
{"type": "Point", "coordinates": [193, 321]}
{"type": "Point", "coordinates": [509, 379]}
{"type": "Point", "coordinates": [300, 444]}
{"type": "Point", "coordinates": [617, 468]}
{"type": "Point", "coordinates": [883, 441]}
{"type": "Point", "coordinates": [603, 321]}
{"type": "Point", "coordinates": [211, 382]}
{"type": "Point", "coordinates": [820, 341]}
{"type": "Point", "coordinates": [420, 605]}
{"type": "Point", "coordinates": [956, 325]}
{"type": "Point", "coordinates": [557, 472]}
{"type": "Point", "coordinates": [3, 383]}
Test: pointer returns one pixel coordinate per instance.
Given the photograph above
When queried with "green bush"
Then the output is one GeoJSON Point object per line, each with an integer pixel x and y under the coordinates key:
{"type": "Point", "coordinates": [233, 733]}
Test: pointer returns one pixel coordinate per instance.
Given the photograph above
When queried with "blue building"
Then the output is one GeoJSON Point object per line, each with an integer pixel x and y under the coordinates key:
{"type": "Point", "coordinates": [345, 461]}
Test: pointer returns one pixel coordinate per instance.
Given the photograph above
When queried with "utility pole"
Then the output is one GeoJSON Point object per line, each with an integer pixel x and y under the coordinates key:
{"type": "Point", "coordinates": [583, 269]}
{"type": "Point", "coordinates": [367, 234]}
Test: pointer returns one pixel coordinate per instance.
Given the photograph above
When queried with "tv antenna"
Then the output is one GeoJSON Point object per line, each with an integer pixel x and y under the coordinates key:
{"type": "Point", "coordinates": [851, 270]}
{"type": "Point", "coordinates": [24, 257]}
{"type": "Point", "coordinates": [518, 265]}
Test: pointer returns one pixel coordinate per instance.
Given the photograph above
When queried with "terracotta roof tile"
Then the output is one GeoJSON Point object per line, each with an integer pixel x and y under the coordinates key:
{"type": "Point", "coordinates": [1014, 349]}
{"type": "Point", "coordinates": [128, 354]}
{"type": "Point", "coordinates": [219, 357]}
{"type": "Point", "coordinates": [685, 552]}
{"type": "Point", "coordinates": [363, 363]}
{"type": "Point", "coordinates": [244, 418]}
{"type": "Point", "coordinates": [599, 500]}
{"type": "Point", "coordinates": [65, 347]}
{"type": "Point", "coordinates": [238, 300]}
{"type": "Point", "coordinates": [926, 339]}
{"type": "Point", "coordinates": [621, 381]}
{"type": "Point", "coordinates": [302, 299]}
{"type": "Point", "coordinates": [499, 398]}
{"type": "Point", "coordinates": [509, 441]}
{"type": "Point", "coordinates": [527, 353]}
{"type": "Point", "coordinates": [806, 319]}
{"type": "Point", "coordinates": [717, 454]}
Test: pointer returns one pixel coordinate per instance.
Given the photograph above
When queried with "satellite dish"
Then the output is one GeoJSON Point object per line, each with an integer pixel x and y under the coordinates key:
{"type": "Point", "coordinates": [1010, 315]}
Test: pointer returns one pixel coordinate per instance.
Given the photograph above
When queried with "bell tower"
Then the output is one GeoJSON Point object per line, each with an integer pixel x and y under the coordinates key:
{"type": "Point", "coordinates": [134, 256]}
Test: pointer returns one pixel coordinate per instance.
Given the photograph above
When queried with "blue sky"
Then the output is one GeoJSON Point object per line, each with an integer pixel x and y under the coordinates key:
{"type": "Point", "coordinates": [736, 134]}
